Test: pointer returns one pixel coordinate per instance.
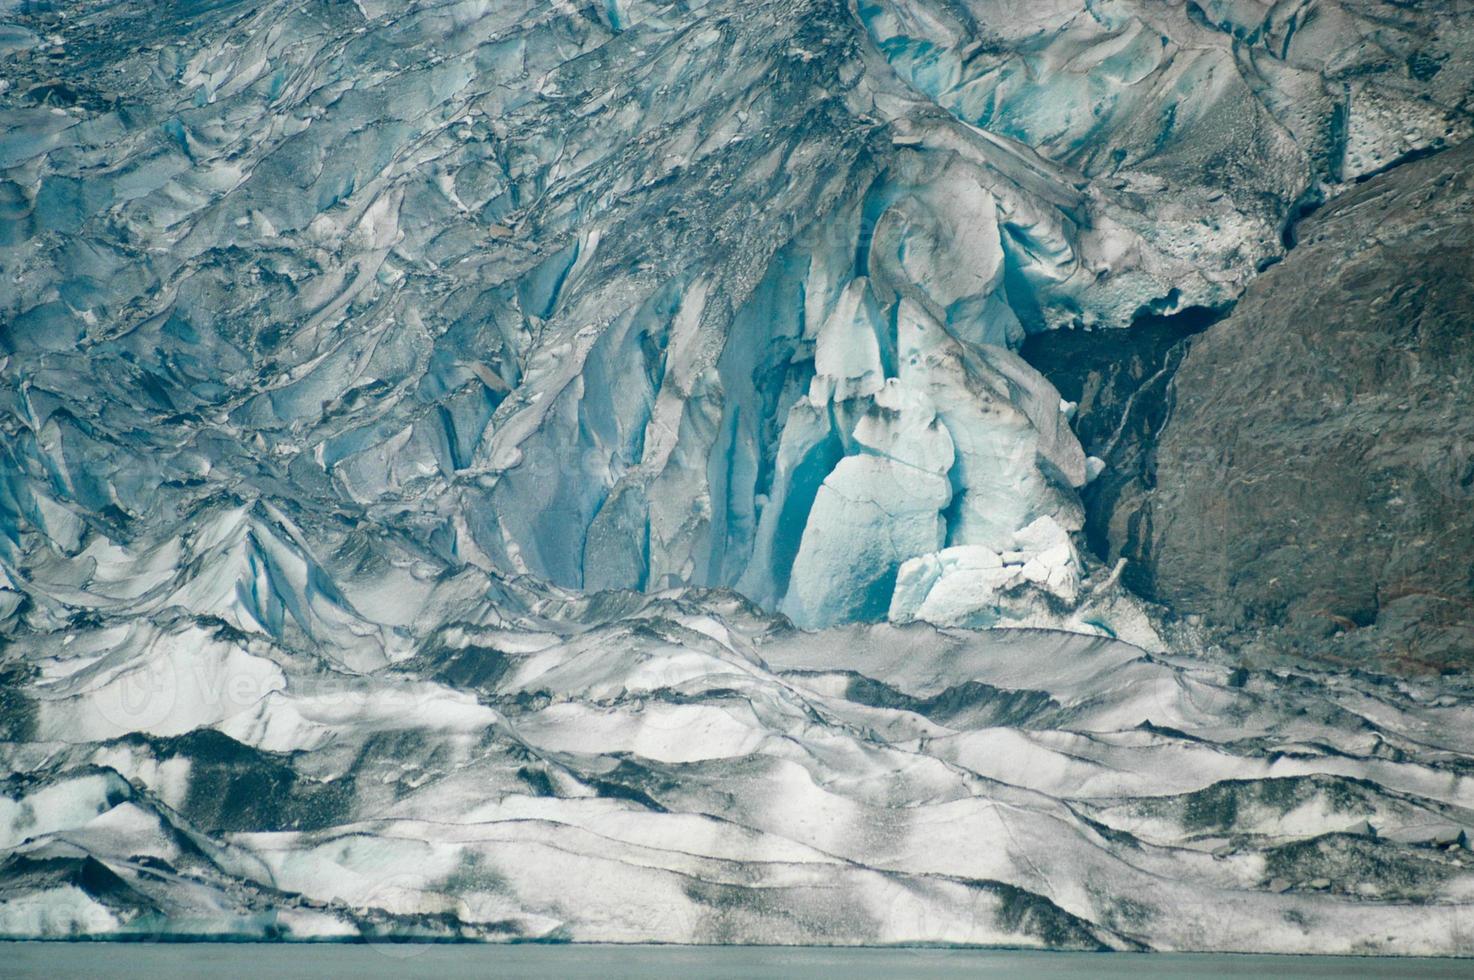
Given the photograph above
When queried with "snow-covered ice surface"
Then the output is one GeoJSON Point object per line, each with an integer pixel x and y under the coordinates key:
{"type": "Point", "coordinates": [684, 768]}
{"type": "Point", "coordinates": [394, 394]}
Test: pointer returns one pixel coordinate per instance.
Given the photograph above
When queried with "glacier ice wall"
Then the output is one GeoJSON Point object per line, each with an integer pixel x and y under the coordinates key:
{"type": "Point", "coordinates": [399, 400]}
{"type": "Point", "coordinates": [636, 294]}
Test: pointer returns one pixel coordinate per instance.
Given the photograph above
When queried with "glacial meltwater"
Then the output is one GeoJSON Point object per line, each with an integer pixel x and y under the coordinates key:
{"type": "Point", "coordinates": [163, 961]}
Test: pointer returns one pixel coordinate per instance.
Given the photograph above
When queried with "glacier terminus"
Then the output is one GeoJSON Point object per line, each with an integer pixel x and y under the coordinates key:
{"type": "Point", "coordinates": [569, 470]}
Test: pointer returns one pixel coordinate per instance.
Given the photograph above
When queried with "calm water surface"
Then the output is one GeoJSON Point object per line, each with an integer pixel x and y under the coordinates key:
{"type": "Point", "coordinates": [363, 962]}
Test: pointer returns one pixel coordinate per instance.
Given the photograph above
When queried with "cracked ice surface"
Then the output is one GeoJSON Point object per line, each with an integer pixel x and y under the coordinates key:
{"type": "Point", "coordinates": [600, 295]}
{"type": "Point", "coordinates": [379, 379]}
{"type": "Point", "coordinates": [684, 768]}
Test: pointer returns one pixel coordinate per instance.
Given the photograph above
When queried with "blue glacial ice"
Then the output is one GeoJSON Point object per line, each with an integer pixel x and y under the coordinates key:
{"type": "Point", "coordinates": [517, 437]}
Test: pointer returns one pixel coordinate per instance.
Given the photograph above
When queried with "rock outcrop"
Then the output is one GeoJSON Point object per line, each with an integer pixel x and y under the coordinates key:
{"type": "Point", "coordinates": [1314, 484]}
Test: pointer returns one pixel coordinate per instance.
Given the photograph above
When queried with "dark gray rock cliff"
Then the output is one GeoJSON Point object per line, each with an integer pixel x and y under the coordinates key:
{"type": "Point", "coordinates": [1312, 488]}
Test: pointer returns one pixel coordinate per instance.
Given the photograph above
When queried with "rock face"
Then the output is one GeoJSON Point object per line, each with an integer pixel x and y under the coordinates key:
{"type": "Point", "coordinates": [1316, 475]}
{"type": "Point", "coordinates": [1121, 383]}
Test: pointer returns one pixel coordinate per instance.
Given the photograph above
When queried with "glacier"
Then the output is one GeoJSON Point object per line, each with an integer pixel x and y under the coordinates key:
{"type": "Point", "coordinates": [508, 469]}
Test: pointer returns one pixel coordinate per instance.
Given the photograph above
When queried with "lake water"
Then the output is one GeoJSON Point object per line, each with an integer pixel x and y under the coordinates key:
{"type": "Point", "coordinates": [365, 962]}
